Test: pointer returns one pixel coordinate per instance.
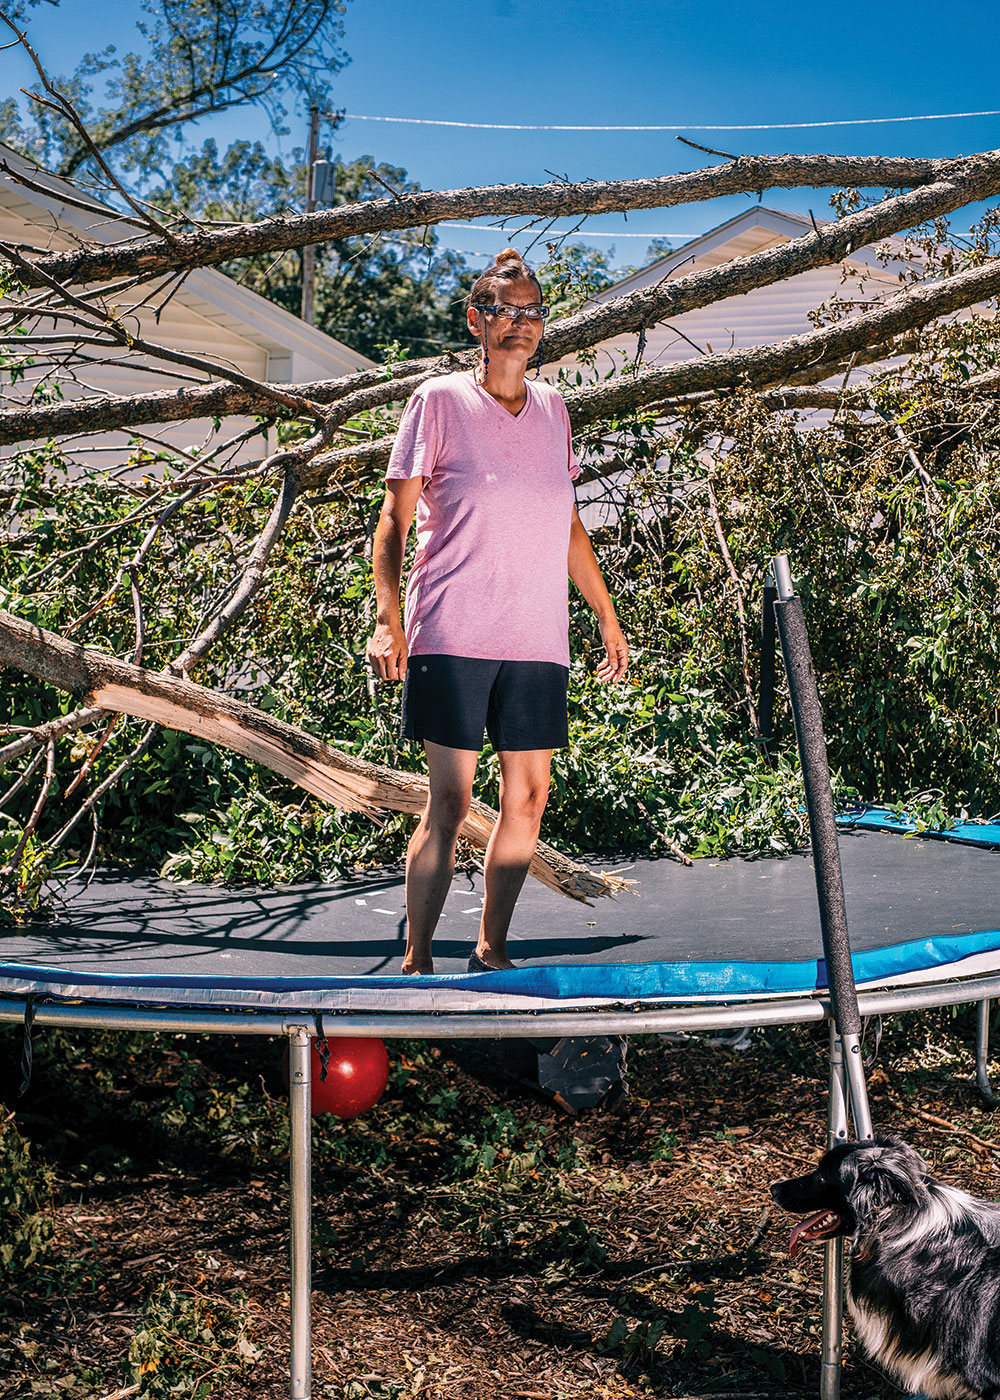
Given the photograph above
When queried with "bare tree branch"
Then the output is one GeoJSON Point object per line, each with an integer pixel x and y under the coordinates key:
{"type": "Point", "coordinates": [211, 65]}
{"type": "Point", "coordinates": [250, 581]}
{"type": "Point", "coordinates": [52, 729]}
{"type": "Point", "coordinates": [29, 827]}
{"type": "Point", "coordinates": [760, 366]}
{"type": "Point", "coordinates": [67, 195]}
{"type": "Point", "coordinates": [61, 105]}
{"type": "Point", "coordinates": [734, 578]}
{"type": "Point", "coordinates": [110, 324]}
{"type": "Point", "coordinates": [749, 174]}
{"type": "Point", "coordinates": [23, 778]}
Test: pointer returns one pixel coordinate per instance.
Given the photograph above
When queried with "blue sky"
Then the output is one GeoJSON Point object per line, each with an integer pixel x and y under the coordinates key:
{"type": "Point", "coordinates": [647, 62]}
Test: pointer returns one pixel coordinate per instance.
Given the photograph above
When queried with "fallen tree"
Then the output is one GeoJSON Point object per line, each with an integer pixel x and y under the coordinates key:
{"type": "Point", "coordinates": [351, 784]}
{"type": "Point", "coordinates": [957, 183]}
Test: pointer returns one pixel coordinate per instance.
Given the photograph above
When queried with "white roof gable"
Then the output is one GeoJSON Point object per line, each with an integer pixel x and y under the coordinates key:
{"type": "Point", "coordinates": [751, 231]}
{"type": "Point", "coordinates": [759, 317]}
{"type": "Point", "coordinates": [296, 350]}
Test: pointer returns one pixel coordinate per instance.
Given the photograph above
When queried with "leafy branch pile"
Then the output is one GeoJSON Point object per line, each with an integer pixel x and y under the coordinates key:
{"type": "Point", "coordinates": [25, 1200]}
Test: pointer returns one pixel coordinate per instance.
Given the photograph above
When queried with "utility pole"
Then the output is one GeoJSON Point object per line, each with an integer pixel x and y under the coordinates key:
{"type": "Point", "coordinates": [309, 254]}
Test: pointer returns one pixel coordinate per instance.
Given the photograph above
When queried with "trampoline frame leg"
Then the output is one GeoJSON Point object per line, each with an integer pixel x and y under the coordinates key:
{"type": "Point", "coordinates": [300, 1182]}
{"type": "Point", "coordinates": [983, 1053]}
{"type": "Point", "coordinates": [833, 1250]}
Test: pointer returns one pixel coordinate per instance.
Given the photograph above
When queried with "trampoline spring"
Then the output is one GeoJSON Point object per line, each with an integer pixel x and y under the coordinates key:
{"type": "Point", "coordinates": [983, 1054]}
{"type": "Point", "coordinates": [623, 1067]}
{"type": "Point", "coordinates": [870, 1060]}
{"type": "Point", "coordinates": [27, 1050]}
{"type": "Point", "coordinates": [323, 1051]}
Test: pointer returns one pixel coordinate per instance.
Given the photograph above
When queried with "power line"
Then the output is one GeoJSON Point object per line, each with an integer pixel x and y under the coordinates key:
{"type": "Point", "coordinates": [583, 234]}
{"type": "Point", "coordinates": [753, 126]}
{"type": "Point", "coordinates": [560, 233]}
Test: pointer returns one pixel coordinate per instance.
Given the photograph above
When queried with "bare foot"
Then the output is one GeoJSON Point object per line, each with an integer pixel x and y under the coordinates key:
{"type": "Point", "coordinates": [413, 969]}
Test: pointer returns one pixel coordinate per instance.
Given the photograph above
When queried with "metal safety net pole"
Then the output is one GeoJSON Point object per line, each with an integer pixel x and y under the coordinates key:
{"type": "Point", "coordinates": [832, 1345]}
{"type": "Point", "coordinates": [823, 828]}
{"type": "Point", "coordinates": [300, 1173]}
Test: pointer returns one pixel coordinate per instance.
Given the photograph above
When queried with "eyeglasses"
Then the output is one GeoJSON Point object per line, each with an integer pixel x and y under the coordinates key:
{"type": "Point", "coordinates": [511, 313]}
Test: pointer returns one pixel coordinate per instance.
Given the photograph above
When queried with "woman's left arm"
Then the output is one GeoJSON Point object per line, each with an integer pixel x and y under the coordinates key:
{"type": "Point", "coordinates": [585, 572]}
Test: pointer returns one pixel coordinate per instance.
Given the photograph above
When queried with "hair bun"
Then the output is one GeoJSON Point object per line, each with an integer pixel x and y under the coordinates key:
{"type": "Point", "coordinates": [508, 255]}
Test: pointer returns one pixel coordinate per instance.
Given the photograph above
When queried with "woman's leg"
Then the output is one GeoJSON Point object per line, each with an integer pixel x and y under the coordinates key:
{"type": "Point", "coordinates": [430, 857]}
{"type": "Point", "coordinates": [524, 790]}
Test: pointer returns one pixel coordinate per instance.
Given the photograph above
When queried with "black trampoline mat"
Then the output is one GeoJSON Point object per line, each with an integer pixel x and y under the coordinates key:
{"type": "Point", "coordinates": [730, 911]}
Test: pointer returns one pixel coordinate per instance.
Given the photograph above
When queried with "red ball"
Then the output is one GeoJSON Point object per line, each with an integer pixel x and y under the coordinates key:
{"type": "Point", "coordinates": [356, 1075]}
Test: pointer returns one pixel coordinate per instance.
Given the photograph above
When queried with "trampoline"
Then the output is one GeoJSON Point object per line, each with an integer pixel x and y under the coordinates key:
{"type": "Point", "coordinates": [719, 945]}
{"type": "Point", "coordinates": [717, 933]}
{"type": "Point", "coordinates": [722, 944]}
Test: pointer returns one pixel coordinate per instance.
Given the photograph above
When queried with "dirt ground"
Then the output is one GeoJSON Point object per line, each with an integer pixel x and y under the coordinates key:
{"type": "Point", "coordinates": [470, 1240]}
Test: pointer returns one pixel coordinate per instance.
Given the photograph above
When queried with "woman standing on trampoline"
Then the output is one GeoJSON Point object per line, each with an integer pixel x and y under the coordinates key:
{"type": "Point", "coordinates": [485, 461]}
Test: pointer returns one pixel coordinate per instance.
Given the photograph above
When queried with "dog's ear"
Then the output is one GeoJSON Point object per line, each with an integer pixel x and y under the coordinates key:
{"type": "Point", "coordinates": [886, 1172]}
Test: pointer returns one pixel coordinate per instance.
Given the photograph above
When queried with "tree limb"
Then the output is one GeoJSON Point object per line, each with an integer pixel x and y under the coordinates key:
{"type": "Point", "coordinates": [252, 577]}
{"type": "Point", "coordinates": [352, 784]}
{"type": "Point", "coordinates": [762, 366]}
{"type": "Point", "coordinates": [558, 199]}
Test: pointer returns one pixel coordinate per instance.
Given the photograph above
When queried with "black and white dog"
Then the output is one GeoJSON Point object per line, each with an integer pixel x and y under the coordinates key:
{"type": "Point", "coordinates": [924, 1288]}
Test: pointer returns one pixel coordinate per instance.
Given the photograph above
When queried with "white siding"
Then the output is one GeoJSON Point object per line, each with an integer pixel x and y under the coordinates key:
{"type": "Point", "coordinates": [760, 317]}
{"type": "Point", "coordinates": [209, 315]}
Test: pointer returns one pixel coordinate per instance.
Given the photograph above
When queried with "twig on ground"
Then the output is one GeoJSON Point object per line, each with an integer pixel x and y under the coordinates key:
{"type": "Point", "coordinates": [680, 1265]}
{"type": "Point", "coordinates": [943, 1125]}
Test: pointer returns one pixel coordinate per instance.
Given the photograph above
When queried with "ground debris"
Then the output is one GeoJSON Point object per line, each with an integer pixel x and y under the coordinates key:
{"type": "Point", "coordinates": [468, 1242]}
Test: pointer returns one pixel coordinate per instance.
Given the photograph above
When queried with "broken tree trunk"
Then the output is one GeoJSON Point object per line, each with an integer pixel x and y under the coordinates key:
{"type": "Point", "coordinates": [352, 784]}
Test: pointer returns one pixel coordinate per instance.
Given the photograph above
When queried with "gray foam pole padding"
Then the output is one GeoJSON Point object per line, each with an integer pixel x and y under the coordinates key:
{"type": "Point", "coordinates": [765, 698]}
{"type": "Point", "coordinates": [819, 804]}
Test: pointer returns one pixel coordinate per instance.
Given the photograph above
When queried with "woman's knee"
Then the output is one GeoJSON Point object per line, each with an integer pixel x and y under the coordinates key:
{"type": "Point", "coordinates": [524, 803]}
{"type": "Point", "coordinates": [447, 808]}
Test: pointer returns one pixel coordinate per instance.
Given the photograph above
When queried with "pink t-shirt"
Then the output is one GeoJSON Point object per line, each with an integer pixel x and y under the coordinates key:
{"type": "Point", "coordinates": [490, 576]}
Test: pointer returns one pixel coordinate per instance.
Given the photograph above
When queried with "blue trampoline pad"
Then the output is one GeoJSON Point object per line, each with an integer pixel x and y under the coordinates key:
{"type": "Point", "coordinates": [869, 818]}
{"type": "Point", "coordinates": [718, 930]}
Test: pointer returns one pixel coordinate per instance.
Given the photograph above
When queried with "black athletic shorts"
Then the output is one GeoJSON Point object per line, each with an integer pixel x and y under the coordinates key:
{"type": "Point", "coordinates": [450, 700]}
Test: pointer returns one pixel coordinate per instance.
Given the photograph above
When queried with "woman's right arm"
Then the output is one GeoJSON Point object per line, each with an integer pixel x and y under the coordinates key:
{"type": "Point", "coordinates": [387, 645]}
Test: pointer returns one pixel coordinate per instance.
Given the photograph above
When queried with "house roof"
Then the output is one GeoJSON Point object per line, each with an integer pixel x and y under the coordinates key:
{"type": "Point", "coordinates": [206, 292]}
{"type": "Point", "coordinates": [751, 231]}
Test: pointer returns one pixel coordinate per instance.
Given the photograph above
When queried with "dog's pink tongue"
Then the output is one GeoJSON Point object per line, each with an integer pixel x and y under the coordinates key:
{"type": "Point", "coordinates": [802, 1228]}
